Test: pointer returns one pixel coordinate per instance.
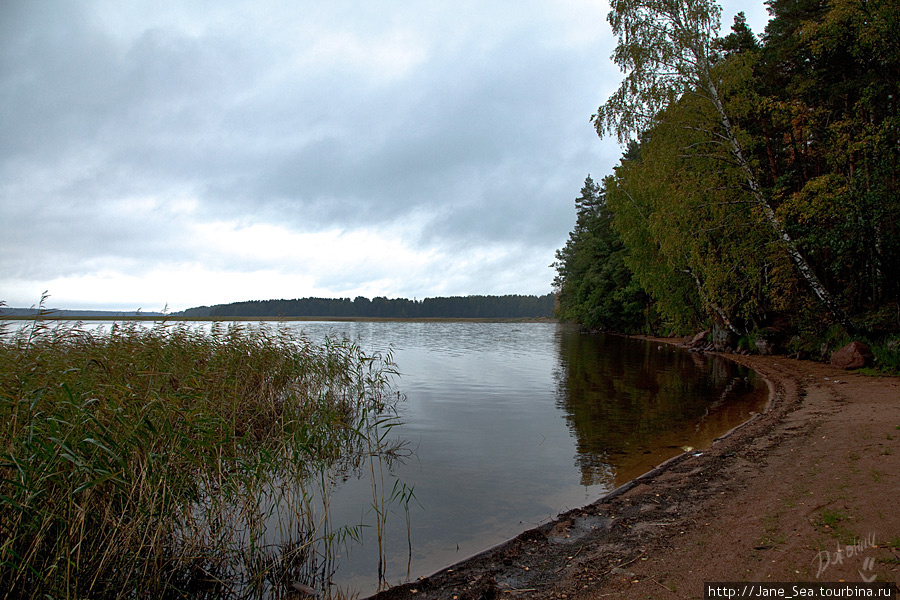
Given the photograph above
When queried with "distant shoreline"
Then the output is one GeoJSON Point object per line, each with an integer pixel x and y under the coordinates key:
{"type": "Point", "coordinates": [51, 317]}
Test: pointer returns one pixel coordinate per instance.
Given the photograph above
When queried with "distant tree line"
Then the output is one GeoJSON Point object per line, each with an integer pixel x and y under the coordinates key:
{"type": "Point", "coordinates": [460, 307]}
{"type": "Point", "coordinates": [759, 192]}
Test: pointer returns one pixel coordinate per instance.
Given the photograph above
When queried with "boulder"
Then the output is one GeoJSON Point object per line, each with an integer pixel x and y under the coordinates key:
{"type": "Point", "coordinates": [764, 346]}
{"type": "Point", "coordinates": [723, 340]}
{"type": "Point", "coordinates": [698, 339]}
{"type": "Point", "coordinates": [852, 356]}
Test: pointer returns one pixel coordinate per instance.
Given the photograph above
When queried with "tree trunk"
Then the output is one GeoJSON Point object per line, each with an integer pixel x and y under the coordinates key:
{"type": "Point", "coordinates": [802, 265]}
{"type": "Point", "coordinates": [723, 316]}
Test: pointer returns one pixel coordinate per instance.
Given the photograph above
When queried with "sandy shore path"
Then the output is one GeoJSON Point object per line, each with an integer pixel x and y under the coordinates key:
{"type": "Point", "coordinates": [809, 491]}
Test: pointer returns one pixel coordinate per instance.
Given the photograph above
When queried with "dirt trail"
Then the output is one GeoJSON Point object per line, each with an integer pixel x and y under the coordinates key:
{"type": "Point", "coordinates": [806, 492]}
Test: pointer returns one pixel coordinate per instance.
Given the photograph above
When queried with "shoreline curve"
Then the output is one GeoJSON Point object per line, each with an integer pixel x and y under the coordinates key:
{"type": "Point", "coordinates": [763, 503]}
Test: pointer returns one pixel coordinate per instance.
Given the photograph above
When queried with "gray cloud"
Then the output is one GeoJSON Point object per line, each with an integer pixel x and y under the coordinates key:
{"type": "Point", "coordinates": [131, 132]}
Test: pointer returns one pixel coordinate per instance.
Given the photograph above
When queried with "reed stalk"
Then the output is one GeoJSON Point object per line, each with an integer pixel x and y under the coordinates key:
{"type": "Point", "coordinates": [157, 461]}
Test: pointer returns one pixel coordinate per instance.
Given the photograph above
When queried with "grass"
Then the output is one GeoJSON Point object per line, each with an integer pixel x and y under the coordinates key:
{"type": "Point", "coordinates": [836, 523]}
{"type": "Point", "coordinates": [155, 461]}
{"type": "Point", "coordinates": [830, 518]}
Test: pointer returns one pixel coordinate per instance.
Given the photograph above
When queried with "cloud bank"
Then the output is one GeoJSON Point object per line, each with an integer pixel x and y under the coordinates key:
{"type": "Point", "coordinates": [169, 153]}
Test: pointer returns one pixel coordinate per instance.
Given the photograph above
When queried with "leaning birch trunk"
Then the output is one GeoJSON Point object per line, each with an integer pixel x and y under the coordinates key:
{"type": "Point", "coordinates": [665, 48]}
{"type": "Point", "coordinates": [784, 237]}
{"type": "Point", "coordinates": [705, 299]}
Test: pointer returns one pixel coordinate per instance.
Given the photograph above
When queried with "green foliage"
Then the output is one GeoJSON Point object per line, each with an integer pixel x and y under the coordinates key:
{"type": "Point", "coordinates": [819, 343]}
{"type": "Point", "coordinates": [762, 192]}
{"type": "Point", "coordinates": [698, 247]}
{"type": "Point", "coordinates": [594, 285]}
{"type": "Point", "coordinates": [143, 462]}
{"type": "Point", "coordinates": [887, 355]}
{"type": "Point", "coordinates": [674, 295]}
{"type": "Point", "coordinates": [827, 78]}
{"type": "Point", "coordinates": [663, 47]}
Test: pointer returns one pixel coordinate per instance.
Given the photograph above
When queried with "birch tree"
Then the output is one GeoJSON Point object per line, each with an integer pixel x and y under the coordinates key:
{"type": "Point", "coordinates": [666, 49]}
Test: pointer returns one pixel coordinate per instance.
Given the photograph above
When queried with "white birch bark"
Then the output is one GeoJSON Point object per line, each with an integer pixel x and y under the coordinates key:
{"type": "Point", "coordinates": [667, 47]}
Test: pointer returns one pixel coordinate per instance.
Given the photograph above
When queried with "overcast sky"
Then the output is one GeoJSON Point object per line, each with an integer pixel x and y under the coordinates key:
{"type": "Point", "coordinates": [186, 153]}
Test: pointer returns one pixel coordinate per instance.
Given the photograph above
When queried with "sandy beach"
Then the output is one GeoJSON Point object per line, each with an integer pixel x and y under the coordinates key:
{"type": "Point", "coordinates": [806, 492]}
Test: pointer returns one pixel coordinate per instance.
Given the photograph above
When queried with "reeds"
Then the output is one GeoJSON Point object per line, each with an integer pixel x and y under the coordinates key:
{"type": "Point", "coordinates": [176, 461]}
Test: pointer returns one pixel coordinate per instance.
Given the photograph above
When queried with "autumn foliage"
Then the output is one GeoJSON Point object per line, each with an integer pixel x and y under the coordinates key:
{"type": "Point", "coordinates": [759, 192]}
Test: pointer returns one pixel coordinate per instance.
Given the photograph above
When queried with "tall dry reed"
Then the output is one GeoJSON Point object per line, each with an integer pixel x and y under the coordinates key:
{"type": "Point", "coordinates": [176, 461]}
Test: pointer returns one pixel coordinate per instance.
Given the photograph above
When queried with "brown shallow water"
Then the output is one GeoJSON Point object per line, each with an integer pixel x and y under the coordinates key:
{"type": "Point", "coordinates": [632, 404]}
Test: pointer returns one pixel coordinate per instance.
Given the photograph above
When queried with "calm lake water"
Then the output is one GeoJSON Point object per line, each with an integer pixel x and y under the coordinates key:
{"type": "Point", "coordinates": [512, 423]}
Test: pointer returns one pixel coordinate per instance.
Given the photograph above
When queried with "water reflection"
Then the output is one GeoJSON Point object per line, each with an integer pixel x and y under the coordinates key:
{"type": "Point", "coordinates": [510, 424]}
{"type": "Point", "coordinates": [631, 404]}
{"type": "Point", "coordinates": [513, 423]}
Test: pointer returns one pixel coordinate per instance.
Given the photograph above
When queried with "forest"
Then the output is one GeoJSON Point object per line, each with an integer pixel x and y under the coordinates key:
{"type": "Point", "coordinates": [757, 194]}
{"type": "Point", "coordinates": [455, 307]}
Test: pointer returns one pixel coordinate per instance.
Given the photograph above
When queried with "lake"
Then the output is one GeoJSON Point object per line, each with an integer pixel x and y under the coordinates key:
{"type": "Point", "coordinates": [509, 424]}
{"type": "Point", "coordinates": [506, 425]}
